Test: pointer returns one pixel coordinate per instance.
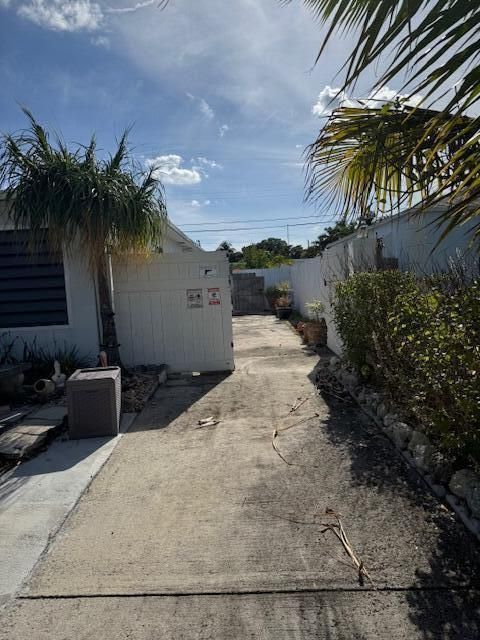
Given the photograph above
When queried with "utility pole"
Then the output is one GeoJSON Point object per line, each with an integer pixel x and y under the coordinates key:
{"type": "Point", "coordinates": [288, 234]}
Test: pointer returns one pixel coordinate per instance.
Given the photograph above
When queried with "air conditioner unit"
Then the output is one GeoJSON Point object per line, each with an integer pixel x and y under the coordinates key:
{"type": "Point", "coordinates": [94, 399]}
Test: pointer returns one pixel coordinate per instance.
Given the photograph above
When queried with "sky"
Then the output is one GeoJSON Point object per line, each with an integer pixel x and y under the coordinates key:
{"type": "Point", "coordinates": [221, 96]}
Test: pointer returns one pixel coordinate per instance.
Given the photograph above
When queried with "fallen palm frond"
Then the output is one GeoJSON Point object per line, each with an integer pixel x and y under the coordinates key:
{"type": "Point", "coordinates": [339, 531]}
{"type": "Point", "coordinates": [275, 436]}
{"type": "Point", "coordinates": [299, 402]}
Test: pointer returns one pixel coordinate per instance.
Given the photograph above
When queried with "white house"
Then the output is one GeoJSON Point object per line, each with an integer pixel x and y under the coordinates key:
{"type": "Point", "coordinates": [53, 299]}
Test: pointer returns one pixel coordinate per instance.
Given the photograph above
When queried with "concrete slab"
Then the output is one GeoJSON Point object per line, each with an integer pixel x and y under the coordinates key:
{"type": "Point", "coordinates": [322, 616]}
{"type": "Point", "coordinates": [36, 497]}
{"type": "Point", "coordinates": [54, 414]}
{"type": "Point", "coordinates": [221, 512]}
{"type": "Point", "coordinates": [207, 533]}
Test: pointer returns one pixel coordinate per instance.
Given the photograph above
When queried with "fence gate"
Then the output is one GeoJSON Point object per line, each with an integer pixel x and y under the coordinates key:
{"type": "Point", "coordinates": [248, 293]}
{"type": "Point", "coordinates": [175, 309]}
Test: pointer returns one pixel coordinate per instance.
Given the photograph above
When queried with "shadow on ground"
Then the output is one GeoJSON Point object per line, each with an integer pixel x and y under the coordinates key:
{"type": "Point", "coordinates": [444, 601]}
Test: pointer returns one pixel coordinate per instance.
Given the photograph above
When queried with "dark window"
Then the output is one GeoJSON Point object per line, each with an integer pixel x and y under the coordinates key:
{"type": "Point", "coordinates": [32, 283]}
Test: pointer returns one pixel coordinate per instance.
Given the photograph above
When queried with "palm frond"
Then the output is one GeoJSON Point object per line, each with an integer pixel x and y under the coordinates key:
{"type": "Point", "coordinates": [72, 196]}
{"type": "Point", "coordinates": [383, 159]}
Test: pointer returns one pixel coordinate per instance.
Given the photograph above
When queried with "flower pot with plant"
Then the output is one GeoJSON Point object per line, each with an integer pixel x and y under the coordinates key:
{"type": "Point", "coordinates": [315, 331]}
{"type": "Point", "coordinates": [275, 292]}
{"type": "Point", "coordinates": [283, 308]}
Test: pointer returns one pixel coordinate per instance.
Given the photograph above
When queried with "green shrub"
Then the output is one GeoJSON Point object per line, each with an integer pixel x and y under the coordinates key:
{"type": "Point", "coordinates": [431, 362]}
{"type": "Point", "coordinates": [421, 340]}
{"type": "Point", "coordinates": [361, 307]}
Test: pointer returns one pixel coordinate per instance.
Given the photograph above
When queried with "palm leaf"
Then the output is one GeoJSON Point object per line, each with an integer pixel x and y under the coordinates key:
{"type": "Point", "coordinates": [74, 197]}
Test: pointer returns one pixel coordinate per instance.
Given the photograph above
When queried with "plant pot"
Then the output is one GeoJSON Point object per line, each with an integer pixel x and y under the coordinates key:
{"type": "Point", "coordinates": [315, 333]}
{"type": "Point", "coordinates": [283, 313]}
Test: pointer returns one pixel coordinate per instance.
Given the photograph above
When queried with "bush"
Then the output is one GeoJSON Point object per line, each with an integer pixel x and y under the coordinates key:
{"type": "Point", "coordinates": [361, 308]}
{"type": "Point", "coordinates": [421, 339]}
{"type": "Point", "coordinates": [432, 362]}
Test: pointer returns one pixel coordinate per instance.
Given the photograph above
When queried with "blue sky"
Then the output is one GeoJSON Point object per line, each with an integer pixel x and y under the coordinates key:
{"type": "Point", "coordinates": [221, 95]}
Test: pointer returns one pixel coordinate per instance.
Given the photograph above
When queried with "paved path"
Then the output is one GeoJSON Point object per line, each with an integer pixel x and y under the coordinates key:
{"type": "Point", "coordinates": [192, 532]}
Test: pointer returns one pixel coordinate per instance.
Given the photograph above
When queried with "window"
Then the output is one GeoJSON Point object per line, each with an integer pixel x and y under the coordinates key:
{"type": "Point", "coordinates": [32, 284]}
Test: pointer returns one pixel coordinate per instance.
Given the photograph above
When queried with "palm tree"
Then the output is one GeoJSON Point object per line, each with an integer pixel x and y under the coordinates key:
{"type": "Point", "coordinates": [381, 159]}
{"type": "Point", "coordinates": [425, 152]}
{"type": "Point", "coordinates": [83, 204]}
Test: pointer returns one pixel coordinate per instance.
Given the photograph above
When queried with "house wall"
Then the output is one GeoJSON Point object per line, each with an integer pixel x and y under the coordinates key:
{"type": "Point", "coordinates": [82, 328]}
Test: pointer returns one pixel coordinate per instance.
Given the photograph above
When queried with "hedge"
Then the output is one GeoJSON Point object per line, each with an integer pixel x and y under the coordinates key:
{"type": "Point", "coordinates": [420, 340]}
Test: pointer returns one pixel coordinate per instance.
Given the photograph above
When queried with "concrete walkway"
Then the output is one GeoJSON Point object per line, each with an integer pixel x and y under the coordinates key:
{"type": "Point", "coordinates": [191, 532]}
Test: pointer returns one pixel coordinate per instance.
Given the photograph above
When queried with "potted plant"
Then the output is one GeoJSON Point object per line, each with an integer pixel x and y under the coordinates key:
{"type": "Point", "coordinates": [283, 308]}
{"type": "Point", "coordinates": [315, 331]}
{"type": "Point", "coordinates": [275, 292]}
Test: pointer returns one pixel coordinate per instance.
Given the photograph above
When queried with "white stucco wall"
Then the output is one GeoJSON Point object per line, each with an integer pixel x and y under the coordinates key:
{"type": "Point", "coordinates": [82, 328]}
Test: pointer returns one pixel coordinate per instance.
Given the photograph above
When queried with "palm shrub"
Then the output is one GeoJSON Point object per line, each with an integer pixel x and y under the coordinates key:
{"type": "Point", "coordinates": [82, 204]}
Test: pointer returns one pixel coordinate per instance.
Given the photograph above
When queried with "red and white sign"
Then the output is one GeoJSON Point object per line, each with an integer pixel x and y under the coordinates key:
{"type": "Point", "coordinates": [214, 296]}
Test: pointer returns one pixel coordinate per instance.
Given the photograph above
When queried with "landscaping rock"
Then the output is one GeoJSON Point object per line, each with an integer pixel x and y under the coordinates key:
{"type": "Point", "coordinates": [350, 380]}
{"type": "Point", "coordinates": [335, 362]}
{"type": "Point", "coordinates": [382, 410]}
{"type": "Point", "coordinates": [417, 439]}
{"type": "Point", "coordinates": [400, 433]}
{"type": "Point", "coordinates": [423, 455]}
{"type": "Point", "coordinates": [390, 418]}
{"type": "Point", "coordinates": [460, 482]}
{"type": "Point", "coordinates": [473, 497]}
{"type": "Point", "coordinates": [361, 396]}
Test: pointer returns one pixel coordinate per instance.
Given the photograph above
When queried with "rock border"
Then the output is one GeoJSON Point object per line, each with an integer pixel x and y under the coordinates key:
{"type": "Point", "coordinates": [460, 490]}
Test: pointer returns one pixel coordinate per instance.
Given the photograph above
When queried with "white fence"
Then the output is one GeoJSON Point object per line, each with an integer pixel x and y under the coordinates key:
{"type": "Point", "coordinates": [175, 309]}
{"type": "Point", "coordinates": [404, 241]}
{"type": "Point", "coordinates": [271, 276]}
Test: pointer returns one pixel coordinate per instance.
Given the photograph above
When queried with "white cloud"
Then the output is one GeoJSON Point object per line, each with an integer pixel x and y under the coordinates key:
{"type": "Point", "coordinates": [223, 130]}
{"type": "Point", "coordinates": [60, 15]}
{"type": "Point", "coordinates": [196, 204]}
{"type": "Point", "coordinates": [169, 170]}
{"type": "Point", "coordinates": [385, 94]}
{"type": "Point", "coordinates": [101, 41]}
{"type": "Point", "coordinates": [134, 8]}
{"type": "Point", "coordinates": [206, 109]}
{"type": "Point", "coordinates": [5, 3]}
{"type": "Point", "coordinates": [203, 106]}
{"type": "Point", "coordinates": [208, 163]}
{"type": "Point", "coordinates": [331, 98]}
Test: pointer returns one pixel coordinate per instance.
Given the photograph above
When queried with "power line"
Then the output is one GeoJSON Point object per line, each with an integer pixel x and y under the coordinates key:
{"type": "Point", "coordinates": [282, 226]}
{"type": "Point", "coordinates": [200, 224]}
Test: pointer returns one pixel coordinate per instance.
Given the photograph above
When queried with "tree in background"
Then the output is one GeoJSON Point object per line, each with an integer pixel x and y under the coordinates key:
{"type": "Point", "coordinates": [398, 154]}
{"type": "Point", "coordinates": [232, 254]}
{"type": "Point", "coordinates": [80, 203]}
{"type": "Point", "coordinates": [253, 257]}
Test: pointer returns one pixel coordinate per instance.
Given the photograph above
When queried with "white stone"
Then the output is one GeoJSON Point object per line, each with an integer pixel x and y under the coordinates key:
{"type": "Point", "coordinates": [417, 439]}
{"type": "Point", "coordinates": [473, 497]}
{"type": "Point", "coordinates": [390, 418]}
{"type": "Point", "coordinates": [460, 482]}
{"type": "Point", "coordinates": [400, 433]}
{"type": "Point", "coordinates": [382, 410]}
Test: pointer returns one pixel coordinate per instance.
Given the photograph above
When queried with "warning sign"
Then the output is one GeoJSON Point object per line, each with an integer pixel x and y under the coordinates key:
{"type": "Point", "coordinates": [214, 296]}
{"type": "Point", "coordinates": [194, 298]}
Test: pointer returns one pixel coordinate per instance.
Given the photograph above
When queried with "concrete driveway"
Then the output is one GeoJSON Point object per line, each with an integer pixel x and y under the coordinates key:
{"type": "Point", "coordinates": [206, 532]}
